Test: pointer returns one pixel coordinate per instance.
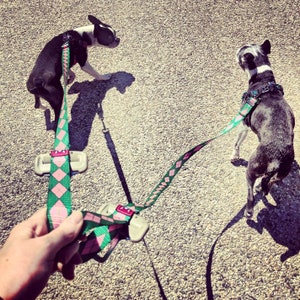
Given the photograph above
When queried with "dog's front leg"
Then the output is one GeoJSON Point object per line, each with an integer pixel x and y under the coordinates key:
{"type": "Point", "coordinates": [90, 70]}
{"type": "Point", "coordinates": [243, 131]}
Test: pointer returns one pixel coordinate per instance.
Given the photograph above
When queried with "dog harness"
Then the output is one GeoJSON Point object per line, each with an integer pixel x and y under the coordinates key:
{"type": "Point", "coordinates": [112, 223]}
{"type": "Point", "coordinates": [271, 86]}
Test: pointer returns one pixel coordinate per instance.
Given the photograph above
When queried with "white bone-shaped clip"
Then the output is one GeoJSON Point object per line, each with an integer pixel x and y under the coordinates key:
{"type": "Point", "coordinates": [138, 226]}
{"type": "Point", "coordinates": [78, 162]}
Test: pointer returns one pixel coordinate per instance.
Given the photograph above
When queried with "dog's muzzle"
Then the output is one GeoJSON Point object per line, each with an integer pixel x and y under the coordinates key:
{"type": "Point", "coordinates": [115, 43]}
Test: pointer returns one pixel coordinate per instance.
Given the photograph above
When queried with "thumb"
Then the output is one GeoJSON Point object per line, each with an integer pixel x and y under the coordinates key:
{"type": "Point", "coordinates": [66, 233]}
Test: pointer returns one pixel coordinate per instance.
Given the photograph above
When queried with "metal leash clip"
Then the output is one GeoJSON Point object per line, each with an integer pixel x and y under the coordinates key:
{"type": "Point", "coordinates": [137, 227]}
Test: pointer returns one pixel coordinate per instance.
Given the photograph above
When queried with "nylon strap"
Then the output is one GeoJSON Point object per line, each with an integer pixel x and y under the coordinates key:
{"type": "Point", "coordinates": [102, 230]}
{"type": "Point", "coordinates": [59, 203]}
{"type": "Point", "coordinates": [104, 235]}
{"type": "Point", "coordinates": [172, 172]}
{"type": "Point", "coordinates": [105, 229]}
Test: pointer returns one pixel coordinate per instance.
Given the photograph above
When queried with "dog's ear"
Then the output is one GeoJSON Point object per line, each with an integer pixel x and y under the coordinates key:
{"type": "Point", "coordinates": [266, 47]}
{"type": "Point", "coordinates": [94, 20]}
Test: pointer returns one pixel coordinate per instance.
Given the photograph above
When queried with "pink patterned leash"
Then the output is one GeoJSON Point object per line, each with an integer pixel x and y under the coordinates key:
{"type": "Point", "coordinates": [97, 240]}
{"type": "Point", "coordinates": [59, 203]}
{"type": "Point", "coordinates": [172, 172]}
{"type": "Point", "coordinates": [103, 230]}
{"type": "Point", "coordinates": [112, 223]}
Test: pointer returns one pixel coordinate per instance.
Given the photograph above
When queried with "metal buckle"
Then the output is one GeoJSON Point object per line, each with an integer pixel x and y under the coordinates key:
{"type": "Point", "coordinates": [137, 227]}
{"type": "Point", "coordinates": [78, 161]}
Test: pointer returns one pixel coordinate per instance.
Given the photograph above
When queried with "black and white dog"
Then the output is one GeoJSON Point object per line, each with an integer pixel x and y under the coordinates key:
{"type": "Point", "coordinates": [272, 120]}
{"type": "Point", "coordinates": [44, 80]}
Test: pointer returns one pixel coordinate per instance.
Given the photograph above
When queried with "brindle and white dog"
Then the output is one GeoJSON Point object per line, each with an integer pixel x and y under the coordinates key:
{"type": "Point", "coordinates": [272, 120]}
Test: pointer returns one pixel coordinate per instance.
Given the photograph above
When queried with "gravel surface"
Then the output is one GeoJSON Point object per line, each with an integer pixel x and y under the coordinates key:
{"type": "Point", "coordinates": [176, 83]}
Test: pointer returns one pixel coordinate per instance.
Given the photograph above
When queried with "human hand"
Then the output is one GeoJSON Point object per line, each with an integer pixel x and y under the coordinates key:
{"type": "Point", "coordinates": [31, 254]}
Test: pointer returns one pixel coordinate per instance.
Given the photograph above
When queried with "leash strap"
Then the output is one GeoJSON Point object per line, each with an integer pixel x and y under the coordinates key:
{"type": "Point", "coordinates": [109, 233]}
{"type": "Point", "coordinates": [59, 203]}
{"type": "Point", "coordinates": [105, 230]}
{"type": "Point", "coordinates": [172, 172]}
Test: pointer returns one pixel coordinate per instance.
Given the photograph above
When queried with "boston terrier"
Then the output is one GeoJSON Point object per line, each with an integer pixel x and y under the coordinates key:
{"type": "Point", "coordinates": [272, 120]}
{"type": "Point", "coordinates": [44, 80]}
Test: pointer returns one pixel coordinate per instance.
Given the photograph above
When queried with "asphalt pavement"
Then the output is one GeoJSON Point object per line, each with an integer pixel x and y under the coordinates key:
{"type": "Point", "coordinates": [175, 84]}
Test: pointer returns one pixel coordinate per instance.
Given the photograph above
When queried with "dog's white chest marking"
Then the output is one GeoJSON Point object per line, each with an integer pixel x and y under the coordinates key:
{"type": "Point", "coordinates": [258, 70]}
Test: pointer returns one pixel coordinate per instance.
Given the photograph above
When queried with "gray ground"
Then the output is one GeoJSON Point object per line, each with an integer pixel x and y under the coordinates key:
{"type": "Point", "coordinates": [176, 84]}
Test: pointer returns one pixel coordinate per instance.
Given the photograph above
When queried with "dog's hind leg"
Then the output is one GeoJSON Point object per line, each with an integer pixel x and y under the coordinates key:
{"type": "Point", "coordinates": [54, 96]}
{"type": "Point", "coordinates": [243, 131]}
{"type": "Point", "coordinates": [273, 177]}
{"type": "Point", "coordinates": [251, 178]}
{"type": "Point", "coordinates": [257, 166]}
{"type": "Point", "coordinates": [267, 181]}
{"type": "Point", "coordinates": [38, 103]}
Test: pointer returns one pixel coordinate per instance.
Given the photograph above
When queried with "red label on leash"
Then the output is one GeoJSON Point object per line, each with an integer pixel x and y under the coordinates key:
{"type": "Point", "coordinates": [124, 210]}
{"type": "Point", "coordinates": [58, 153]}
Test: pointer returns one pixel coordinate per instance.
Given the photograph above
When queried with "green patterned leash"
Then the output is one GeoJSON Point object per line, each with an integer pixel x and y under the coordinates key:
{"type": "Point", "coordinates": [104, 229]}
{"type": "Point", "coordinates": [115, 219]}
{"type": "Point", "coordinates": [59, 203]}
{"type": "Point", "coordinates": [112, 223]}
{"type": "Point", "coordinates": [172, 172]}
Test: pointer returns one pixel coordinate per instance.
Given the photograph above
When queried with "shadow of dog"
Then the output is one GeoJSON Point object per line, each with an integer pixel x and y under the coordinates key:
{"type": "Point", "coordinates": [89, 103]}
{"type": "Point", "coordinates": [283, 220]}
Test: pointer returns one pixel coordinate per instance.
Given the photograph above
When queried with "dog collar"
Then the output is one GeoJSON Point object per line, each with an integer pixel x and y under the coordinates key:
{"type": "Point", "coordinates": [271, 86]}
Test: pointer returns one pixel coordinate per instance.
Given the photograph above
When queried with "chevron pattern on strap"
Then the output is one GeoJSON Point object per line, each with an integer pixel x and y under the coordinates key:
{"type": "Point", "coordinates": [105, 234]}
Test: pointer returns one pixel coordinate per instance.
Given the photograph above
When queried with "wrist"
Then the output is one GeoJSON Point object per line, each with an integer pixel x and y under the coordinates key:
{"type": "Point", "coordinates": [9, 280]}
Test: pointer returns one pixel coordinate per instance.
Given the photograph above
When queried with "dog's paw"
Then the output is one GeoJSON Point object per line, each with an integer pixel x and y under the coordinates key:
{"type": "Point", "coordinates": [104, 77]}
{"type": "Point", "coordinates": [248, 213]}
{"type": "Point", "coordinates": [234, 159]}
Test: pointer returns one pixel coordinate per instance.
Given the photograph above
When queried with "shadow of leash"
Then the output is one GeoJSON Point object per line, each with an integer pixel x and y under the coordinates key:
{"type": "Point", "coordinates": [235, 220]}
{"type": "Point", "coordinates": [114, 155]}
